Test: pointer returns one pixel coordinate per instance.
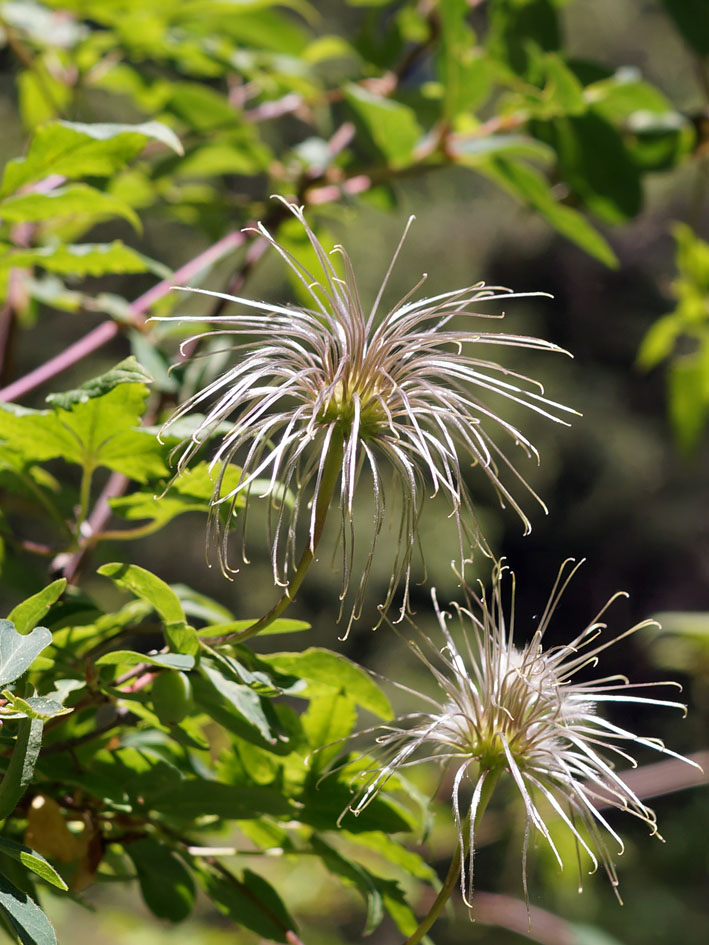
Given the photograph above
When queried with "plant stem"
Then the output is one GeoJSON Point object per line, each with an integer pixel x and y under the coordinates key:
{"type": "Point", "coordinates": [451, 879]}
{"type": "Point", "coordinates": [328, 482]}
{"type": "Point", "coordinates": [103, 333]}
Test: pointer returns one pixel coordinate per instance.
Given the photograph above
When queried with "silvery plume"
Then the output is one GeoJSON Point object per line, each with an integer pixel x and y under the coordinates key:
{"type": "Point", "coordinates": [316, 395]}
{"type": "Point", "coordinates": [512, 709]}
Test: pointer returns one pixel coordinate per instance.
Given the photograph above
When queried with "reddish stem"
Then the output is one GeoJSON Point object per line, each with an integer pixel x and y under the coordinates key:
{"type": "Point", "coordinates": [103, 333]}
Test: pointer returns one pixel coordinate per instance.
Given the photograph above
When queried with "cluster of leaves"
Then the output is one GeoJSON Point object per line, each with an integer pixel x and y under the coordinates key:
{"type": "Point", "coordinates": [149, 748]}
{"type": "Point", "coordinates": [129, 741]}
{"type": "Point", "coordinates": [682, 338]}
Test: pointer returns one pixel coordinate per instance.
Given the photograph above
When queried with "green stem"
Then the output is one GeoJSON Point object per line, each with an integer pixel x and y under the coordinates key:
{"type": "Point", "coordinates": [328, 483]}
{"type": "Point", "coordinates": [451, 880]}
{"type": "Point", "coordinates": [85, 492]}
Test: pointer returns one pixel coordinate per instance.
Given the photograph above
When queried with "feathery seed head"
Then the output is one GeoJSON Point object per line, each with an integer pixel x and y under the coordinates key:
{"type": "Point", "coordinates": [517, 709]}
{"type": "Point", "coordinates": [406, 391]}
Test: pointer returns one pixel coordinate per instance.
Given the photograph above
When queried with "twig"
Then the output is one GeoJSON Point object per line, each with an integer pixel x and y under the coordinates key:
{"type": "Point", "coordinates": [103, 333]}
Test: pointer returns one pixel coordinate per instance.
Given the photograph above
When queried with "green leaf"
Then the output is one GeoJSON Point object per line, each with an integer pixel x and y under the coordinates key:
{"type": "Point", "coordinates": [191, 491]}
{"type": "Point", "coordinates": [328, 721]}
{"type": "Point", "coordinates": [222, 695]}
{"type": "Point", "coordinates": [282, 625]}
{"type": "Point", "coordinates": [31, 611]}
{"type": "Point", "coordinates": [32, 861]}
{"type": "Point", "coordinates": [660, 340]}
{"type": "Point", "coordinates": [18, 651]}
{"type": "Point", "coordinates": [22, 913]}
{"type": "Point", "coordinates": [177, 661]}
{"type": "Point", "coordinates": [528, 185]}
{"type": "Point", "coordinates": [329, 669]}
{"type": "Point", "coordinates": [691, 17]}
{"type": "Point", "coordinates": [595, 162]}
{"type": "Point", "coordinates": [251, 902]}
{"type": "Point", "coordinates": [165, 882]}
{"type": "Point", "coordinates": [34, 707]}
{"type": "Point", "coordinates": [517, 28]}
{"type": "Point", "coordinates": [469, 150]}
{"type": "Point", "coordinates": [75, 150]}
{"type": "Point", "coordinates": [563, 93]}
{"type": "Point", "coordinates": [149, 587]}
{"type": "Point", "coordinates": [97, 429]}
{"type": "Point", "coordinates": [355, 875]}
{"type": "Point", "coordinates": [409, 861]}
{"type": "Point", "coordinates": [378, 893]}
{"type": "Point", "coordinates": [201, 107]}
{"type": "Point", "coordinates": [80, 259]}
{"type": "Point", "coordinates": [190, 799]}
{"type": "Point", "coordinates": [392, 126]}
{"type": "Point", "coordinates": [128, 371]}
{"type": "Point", "coordinates": [73, 200]}
{"type": "Point", "coordinates": [688, 396]}
{"type": "Point", "coordinates": [21, 767]}
{"type": "Point", "coordinates": [465, 73]}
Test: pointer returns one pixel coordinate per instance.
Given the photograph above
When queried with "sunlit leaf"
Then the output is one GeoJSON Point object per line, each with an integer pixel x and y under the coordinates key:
{"type": "Point", "coordinates": [18, 650]}
{"type": "Point", "coordinates": [31, 611]}
{"type": "Point", "coordinates": [72, 150]}
{"type": "Point", "coordinates": [337, 672]}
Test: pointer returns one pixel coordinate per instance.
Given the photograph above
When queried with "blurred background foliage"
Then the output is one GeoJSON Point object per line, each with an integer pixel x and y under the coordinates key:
{"type": "Point", "coordinates": [549, 145]}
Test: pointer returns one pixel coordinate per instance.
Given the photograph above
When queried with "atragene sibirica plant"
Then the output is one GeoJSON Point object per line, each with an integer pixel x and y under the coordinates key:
{"type": "Point", "coordinates": [513, 708]}
{"type": "Point", "coordinates": [316, 395]}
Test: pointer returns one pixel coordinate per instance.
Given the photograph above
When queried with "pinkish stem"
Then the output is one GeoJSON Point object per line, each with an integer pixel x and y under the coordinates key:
{"type": "Point", "coordinates": [103, 333]}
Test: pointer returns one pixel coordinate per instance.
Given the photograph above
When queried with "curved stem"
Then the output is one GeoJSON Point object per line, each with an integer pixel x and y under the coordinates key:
{"type": "Point", "coordinates": [328, 483]}
{"type": "Point", "coordinates": [451, 879]}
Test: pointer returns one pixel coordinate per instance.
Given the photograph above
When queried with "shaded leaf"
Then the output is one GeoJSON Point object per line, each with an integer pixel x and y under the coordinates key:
{"type": "Point", "coordinates": [165, 882]}
{"type": "Point", "coordinates": [190, 799]}
{"type": "Point", "coordinates": [231, 697]}
{"type": "Point", "coordinates": [30, 924]}
{"type": "Point", "coordinates": [595, 162]}
{"type": "Point", "coordinates": [251, 902]}
{"type": "Point", "coordinates": [528, 185]}
{"type": "Point", "coordinates": [21, 767]}
{"type": "Point", "coordinates": [393, 127]}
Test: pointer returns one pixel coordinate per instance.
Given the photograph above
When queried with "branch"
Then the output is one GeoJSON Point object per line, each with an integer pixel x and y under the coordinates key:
{"type": "Point", "coordinates": [103, 333]}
